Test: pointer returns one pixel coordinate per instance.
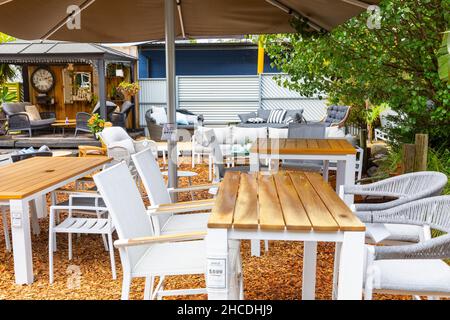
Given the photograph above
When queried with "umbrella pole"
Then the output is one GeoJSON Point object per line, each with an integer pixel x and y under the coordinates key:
{"type": "Point", "coordinates": [171, 90]}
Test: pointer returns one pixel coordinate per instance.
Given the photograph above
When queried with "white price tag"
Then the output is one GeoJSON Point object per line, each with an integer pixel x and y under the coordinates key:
{"type": "Point", "coordinates": [217, 273]}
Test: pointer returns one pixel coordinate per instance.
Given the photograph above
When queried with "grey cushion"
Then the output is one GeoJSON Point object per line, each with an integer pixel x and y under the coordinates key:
{"type": "Point", "coordinates": [245, 117]}
{"type": "Point", "coordinates": [42, 123]}
{"type": "Point", "coordinates": [292, 113]}
{"type": "Point", "coordinates": [14, 108]}
{"type": "Point", "coordinates": [336, 114]}
{"type": "Point", "coordinates": [264, 114]}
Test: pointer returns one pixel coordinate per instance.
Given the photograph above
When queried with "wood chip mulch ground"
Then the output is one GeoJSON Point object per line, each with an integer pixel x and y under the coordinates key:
{"type": "Point", "coordinates": [276, 275]}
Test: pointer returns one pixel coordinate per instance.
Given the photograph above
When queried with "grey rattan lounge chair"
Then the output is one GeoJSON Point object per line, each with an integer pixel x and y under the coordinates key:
{"type": "Point", "coordinates": [402, 189]}
{"type": "Point", "coordinates": [415, 269]}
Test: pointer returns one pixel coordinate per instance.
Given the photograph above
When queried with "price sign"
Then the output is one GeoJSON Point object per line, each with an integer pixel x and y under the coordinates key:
{"type": "Point", "coordinates": [217, 273]}
{"type": "Point", "coordinates": [169, 132]}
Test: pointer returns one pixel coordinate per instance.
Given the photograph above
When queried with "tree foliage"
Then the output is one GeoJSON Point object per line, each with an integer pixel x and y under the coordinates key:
{"type": "Point", "coordinates": [7, 72]}
{"type": "Point", "coordinates": [396, 64]}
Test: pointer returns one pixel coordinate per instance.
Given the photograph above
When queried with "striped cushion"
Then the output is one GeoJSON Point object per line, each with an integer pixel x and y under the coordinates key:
{"type": "Point", "coordinates": [277, 116]}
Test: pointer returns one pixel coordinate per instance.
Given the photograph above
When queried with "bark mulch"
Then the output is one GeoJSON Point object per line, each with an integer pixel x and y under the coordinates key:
{"type": "Point", "coordinates": [275, 275]}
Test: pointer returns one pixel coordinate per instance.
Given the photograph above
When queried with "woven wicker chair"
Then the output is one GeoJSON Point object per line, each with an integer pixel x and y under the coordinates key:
{"type": "Point", "coordinates": [415, 269]}
{"type": "Point", "coordinates": [402, 189]}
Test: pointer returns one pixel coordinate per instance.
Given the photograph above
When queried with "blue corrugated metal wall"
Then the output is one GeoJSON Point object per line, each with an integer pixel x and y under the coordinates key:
{"type": "Point", "coordinates": [202, 63]}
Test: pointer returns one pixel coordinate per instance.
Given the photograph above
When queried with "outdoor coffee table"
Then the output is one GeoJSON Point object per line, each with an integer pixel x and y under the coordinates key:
{"type": "Point", "coordinates": [63, 126]}
{"type": "Point", "coordinates": [29, 180]}
{"type": "Point", "coordinates": [284, 206]}
{"type": "Point", "coordinates": [339, 150]}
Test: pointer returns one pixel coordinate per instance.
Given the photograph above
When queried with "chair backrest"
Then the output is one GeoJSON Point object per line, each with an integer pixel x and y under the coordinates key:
{"type": "Point", "coordinates": [110, 108]}
{"type": "Point", "coordinates": [82, 119]}
{"type": "Point", "coordinates": [214, 145]}
{"type": "Point", "coordinates": [150, 174]}
{"type": "Point", "coordinates": [114, 134]}
{"type": "Point", "coordinates": [307, 131]}
{"type": "Point", "coordinates": [414, 185]}
{"type": "Point", "coordinates": [125, 205]}
{"type": "Point", "coordinates": [127, 106]}
{"type": "Point", "coordinates": [337, 114]}
{"type": "Point", "coordinates": [14, 108]}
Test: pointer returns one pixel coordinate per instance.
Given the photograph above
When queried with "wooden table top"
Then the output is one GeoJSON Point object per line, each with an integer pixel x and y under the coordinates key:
{"type": "Point", "coordinates": [297, 201]}
{"type": "Point", "coordinates": [25, 178]}
{"type": "Point", "coordinates": [303, 146]}
{"type": "Point", "coordinates": [63, 124]}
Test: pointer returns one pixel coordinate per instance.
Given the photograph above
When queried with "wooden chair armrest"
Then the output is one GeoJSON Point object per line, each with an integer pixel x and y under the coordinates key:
{"type": "Point", "coordinates": [182, 207]}
{"type": "Point", "coordinates": [193, 188]}
{"type": "Point", "coordinates": [126, 243]}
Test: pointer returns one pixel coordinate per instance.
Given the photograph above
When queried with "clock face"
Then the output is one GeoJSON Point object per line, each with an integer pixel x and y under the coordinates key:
{"type": "Point", "coordinates": [43, 80]}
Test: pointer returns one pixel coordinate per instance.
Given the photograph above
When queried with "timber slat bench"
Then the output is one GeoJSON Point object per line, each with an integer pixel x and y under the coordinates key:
{"type": "Point", "coordinates": [285, 206]}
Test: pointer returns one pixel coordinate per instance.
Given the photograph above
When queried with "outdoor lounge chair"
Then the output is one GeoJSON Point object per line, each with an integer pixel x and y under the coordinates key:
{"type": "Point", "coordinates": [119, 119]}
{"type": "Point", "coordinates": [82, 119]}
{"type": "Point", "coordinates": [18, 119]}
{"type": "Point", "coordinates": [336, 116]}
{"type": "Point", "coordinates": [144, 255]}
{"type": "Point", "coordinates": [415, 269]}
{"type": "Point", "coordinates": [402, 189]}
{"type": "Point", "coordinates": [160, 198]}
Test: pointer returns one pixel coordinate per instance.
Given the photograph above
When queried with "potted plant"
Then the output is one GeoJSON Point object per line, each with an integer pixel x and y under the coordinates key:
{"type": "Point", "coordinates": [96, 124]}
{"type": "Point", "coordinates": [128, 89]}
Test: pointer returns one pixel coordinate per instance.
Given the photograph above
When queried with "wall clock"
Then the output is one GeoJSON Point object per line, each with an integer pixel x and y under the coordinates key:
{"type": "Point", "coordinates": [43, 80]}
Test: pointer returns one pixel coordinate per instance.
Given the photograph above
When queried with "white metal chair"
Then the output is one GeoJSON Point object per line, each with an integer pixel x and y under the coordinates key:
{"type": "Point", "coordinates": [169, 221]}
{"type": "Point", "coordinates": [101, 225]}
{"type": "Point", "coordinates": [332, 165]}
{"type": "Point", "coordinates": [142, 254]}
{"type": "Point", "coordinates": [415, 269]}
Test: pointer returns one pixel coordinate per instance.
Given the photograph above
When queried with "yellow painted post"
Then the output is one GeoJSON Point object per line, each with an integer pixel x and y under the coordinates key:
{"type": "Point", "coordinates": [260, 55]}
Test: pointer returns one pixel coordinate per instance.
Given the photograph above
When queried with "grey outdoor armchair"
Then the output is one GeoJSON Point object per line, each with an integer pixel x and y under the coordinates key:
{"type": "Point", "coordinates": [402, 189]}
{"type": "Point", "coordinates": [415, 269]}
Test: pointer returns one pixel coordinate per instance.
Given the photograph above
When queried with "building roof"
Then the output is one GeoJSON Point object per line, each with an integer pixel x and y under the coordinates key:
{"type": "Point", "coordinates": [207, 44]}
{"type": "Point", "coordinates": [23, 52]}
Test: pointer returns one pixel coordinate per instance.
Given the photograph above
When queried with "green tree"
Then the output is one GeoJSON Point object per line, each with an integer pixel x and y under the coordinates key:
{"type": "Point", "coordinates": [396, 64]}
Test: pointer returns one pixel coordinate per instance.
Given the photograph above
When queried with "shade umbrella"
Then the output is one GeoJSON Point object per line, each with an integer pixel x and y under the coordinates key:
{"type": "Point", "coordinates": [117, 21]}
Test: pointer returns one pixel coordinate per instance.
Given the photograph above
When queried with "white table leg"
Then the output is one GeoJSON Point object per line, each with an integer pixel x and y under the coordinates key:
{"type": "Point", "coordinates": [337, 256]}
{"type": "Point", "coordinates": [254, 162]}
{"type": "Point", "coordinates": [309, 270]}
{"type": "Point", "coordinates": [255, 248]}
{"type": "Point", "coordinates": [345, 175]}
{"type": "Point", "coordinates": [351, 265]}
{"type": "Point", "coordinates": [20, 227]}
{"type": "Point", "coordinates": [41, 206]}
{"type": "Point", "coordinates": [218, 265]}
{"type": "Point", "coordinates": [210, 167]}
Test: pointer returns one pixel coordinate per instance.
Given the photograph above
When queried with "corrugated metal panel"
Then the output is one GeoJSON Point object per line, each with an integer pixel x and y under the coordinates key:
{"type": "Point", "coordinates": [220, 99]}
{"type": "Point", "coordinates": [274, 96]}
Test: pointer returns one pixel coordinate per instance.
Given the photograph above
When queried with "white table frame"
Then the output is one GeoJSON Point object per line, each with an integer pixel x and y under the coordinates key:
{"type": "Point", "coordinates": [20, 228]}
{"type": "Point", "coordinates": [348, 269]}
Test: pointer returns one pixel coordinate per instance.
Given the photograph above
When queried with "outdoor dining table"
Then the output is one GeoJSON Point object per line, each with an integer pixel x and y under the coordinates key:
{"type": "Point", "coordinates": [30, 180]}
{"type": "Point", "coordinates": [339, 150]}
{"type": "Point", "coordinates": [284, 206]}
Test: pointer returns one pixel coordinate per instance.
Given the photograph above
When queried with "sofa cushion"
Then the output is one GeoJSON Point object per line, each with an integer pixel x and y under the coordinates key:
{"type": "Point", "coordinates": [248, 135]}
{"type": "Point", "coordinates": [14, 108]}
{"type": "Point", "coordinates": [264, 114]}
{"type": "Point", "coordinates": [336, 114]}
{"type": "Point", "coordinates": [247, 116]}
{"type": "Point", "coordinates": [277, 116]}
{"type": "Point", "coordinates": [33, 113]}
{"type": "Point", "coordinates": [42, 123]}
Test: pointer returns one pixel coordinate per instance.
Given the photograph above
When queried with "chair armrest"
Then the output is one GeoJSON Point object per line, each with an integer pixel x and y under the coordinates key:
{"type": "Point", "coordinates": [193, 188]}
{"type": "Point", "coordinates": [356, 190]}
{"type": "Point", "coordinates": [19, 121]}
{"type": "Point", "coordinates": [126, 243]}
{"type": "Point", "coordinates": [181, 207]}
{"type": "Point", "coordinates": [84, 151]}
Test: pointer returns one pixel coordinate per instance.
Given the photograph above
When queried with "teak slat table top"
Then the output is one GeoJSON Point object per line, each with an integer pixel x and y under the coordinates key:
{"type": "Point", "coordinates": [303, 146]}
{"type": "Point", "coordinates": [25, 178]}
{"type": "Point", "coordinates": [296, 201]}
